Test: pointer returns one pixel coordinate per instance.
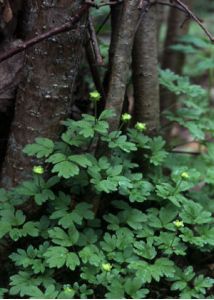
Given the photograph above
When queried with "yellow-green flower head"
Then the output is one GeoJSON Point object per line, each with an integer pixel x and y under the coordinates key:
{"type": "Point", "coordinates": [184, 175]}
{"type": "Point", "coordinates": [38, 170]}
{"type": "Point", "coordinates": [126, 117]}
{"type": "Point", "coordinates": [68, 289]}
{"type": "Point", "coordinates": [95, 96]}
{"type": "Point", "coordinates": [140, 126]}
{"type": "Point", "coordinates": [178, 223]}
{"type": "Point", "coordinates": [107, 267]}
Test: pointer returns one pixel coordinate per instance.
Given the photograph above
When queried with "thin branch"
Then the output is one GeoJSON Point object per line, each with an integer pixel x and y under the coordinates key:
{"type": "Point", "coordinates": [102, 3]}
{"type": "Point", "coordinates": [144, 6]}
{"type": "Point", "coordinates": [185, 9]}
{"type": "Point", "coordinates": [170, 5]}
{"type": "Point", "coordinates": [95, 70]}
{"type": "Point", "coordinates": [54, 31]}
{"type": "Point", "coordinates": [94, 42]}
{"type": "Point", "coordinates": [195, 18]}
{"type": "Point", "coordinates": [103, 23]}
{"type": "Point", "coordinates": [184, 152]}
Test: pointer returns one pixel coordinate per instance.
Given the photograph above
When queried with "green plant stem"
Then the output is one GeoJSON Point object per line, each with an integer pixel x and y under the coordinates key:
{"type": "Point", "coordinates": [177, 186]}
{"type": "Point", "coordinates": [95, 112]}
{"type": "Point", "coordinates": [38, 180]}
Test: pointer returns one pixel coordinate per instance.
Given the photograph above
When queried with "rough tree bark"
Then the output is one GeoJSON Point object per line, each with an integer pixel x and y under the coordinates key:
{"type": "Point", "coordinates": [173, 60]}
{"type": "Point", "coordinates": [145, 73]}
{"type": "Point", "coordinates": [10, 70]}
{"type": "Point", "coordinates": [116, 12]}
{"type": "Point", "coordinates": [45, 95]}
{"type": "Point", "coordinates": [120, 62]}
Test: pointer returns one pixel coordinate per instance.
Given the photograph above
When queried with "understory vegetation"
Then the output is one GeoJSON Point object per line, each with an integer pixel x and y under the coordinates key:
{"type": "Point", "coordinates": [107, 155]}
{"type": "Point", "coordinates": [155, 237]}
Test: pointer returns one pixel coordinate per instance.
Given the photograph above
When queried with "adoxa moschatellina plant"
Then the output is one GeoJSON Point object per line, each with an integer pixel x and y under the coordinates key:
{"type": "Point", "coordinates": [141, 245]}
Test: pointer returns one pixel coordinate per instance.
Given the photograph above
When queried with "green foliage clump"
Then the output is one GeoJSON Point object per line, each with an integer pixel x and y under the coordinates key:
{"type": "Point", "coordinates": [120, 220]}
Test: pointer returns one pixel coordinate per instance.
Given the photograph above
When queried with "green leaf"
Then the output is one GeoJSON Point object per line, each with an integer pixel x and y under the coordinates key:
{"type": "Point", "coordinates": [60, 237]}
{"type": "Point", "coordinates": [21, 281]}
{"type": "Point", "coordinates": [92, 255]}
{"type": "Point", "coordinates": [133, 288]}
{"type": "Point", "coordinates": [178, 285]}
{"type": "Point", "coordinates": [158, 153]}
{"type": "Point", "coordinates": [134, 218]}
{"type": "Point", "coordinates": [195, 130]}
{"type": "Point", "coordinates": [101, 127]}
{"type": "Point", "coordinates": [163, 267]}
{"type": "Point", "coordinates": [2, 292]}
{"type": "Point", "coordinates": [140, 191]}
{"type": "Point", "coordinates": [201, 283]}
{"type": "Point", "coordinates": [72, 261]}
{"type": "Point", "coordinates": [107, 114]}
{"type": "Point", "coordinates": [66, 169]}
{"type": "Point", "coordinates": [36, 293]}
{"type": "Point", "coordinates": [145, 250]}
{"type": "Point", "coordinates": [193, 213]}
{"type": "Point", "coordinates": [84, 210]}
{"type": "Point", "coordinates": [42, 148]}
{"type": "Point", "coordinates": [44, 196]}
{"type": "Point", "coordinates": [115, 290]}
{"type": "Point", "coordinates": [106, 185]}
{"type": "Point", "coordinates": [56, 158]}
{"type": "Point", "coordinates": [27, 188]}
{"type": "Point", "coordinates": [81, 159]}
{"type": "Point", "coordinates": [167, 214]}
{"type": "Point", "coordinates": [56, 256]}
{"type": "Point", "coordinates": [4, 228]}
{"type": "Point", "coordinates": [30, 228]}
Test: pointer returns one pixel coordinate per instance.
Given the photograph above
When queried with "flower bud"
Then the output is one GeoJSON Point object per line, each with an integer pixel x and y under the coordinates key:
{"type": "Point", "coordinates": [178, 223]}
{"type": "Point", "coordinates": [184, 175]}
{"type": "Point", "coordinates": [126, 117]}
{"type": "Point", "coordinates": [107, 267]}
{"type": "Point", "coordinates": [95, 96]}
{"type": "Point", "coordinates": [140, 126]}
{"type": "Point", "coordinates": [38, 170]}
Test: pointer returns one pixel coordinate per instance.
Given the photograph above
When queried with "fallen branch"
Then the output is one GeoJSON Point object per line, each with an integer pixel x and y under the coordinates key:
{"type": "Point", "coordinates": [184, 152]}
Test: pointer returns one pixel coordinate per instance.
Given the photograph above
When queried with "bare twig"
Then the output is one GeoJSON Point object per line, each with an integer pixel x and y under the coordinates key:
{"type": "Point", "coordinates": [102, 3]}
{"type": "Point", "coordinates": [178, 4]}
{"type": "Point", "coordinates": [94, 42]}
{"type": "Point", "coordinates": [141, 3]}
{"type": "Point", "coordinates": [195, 18]}
{"type": "Point", "coordinates": [144, 7]}
{"type": "Point", "coordinates": [184, 152]}
{"type": "Point", "coordinates": [103, 23]}
{"type": "Point", "coordinates": [169, 4]}
{"type": "Point", "coordinates": [54, 31]}
{"type": "Point", "coordinates": [92, 61]}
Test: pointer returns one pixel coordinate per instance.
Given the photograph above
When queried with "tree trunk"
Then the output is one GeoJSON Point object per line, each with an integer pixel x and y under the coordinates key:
{"type": "Point", "coordinates": [45, 94]}
{"type": "Point", "coordinates": [145, 73]}
{"type": "Point", "coordinates": [10, 70]}
{"type": "Point", "coordinates": [173, 60]}
{"type": "Point", "coordinates": [120, 62]}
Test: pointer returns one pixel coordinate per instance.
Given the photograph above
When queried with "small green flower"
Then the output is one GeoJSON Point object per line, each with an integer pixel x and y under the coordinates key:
{"type": "Point", "coordinates": [68, 290]}
{"type": "Point", "coordinates": [38, 170]}
{"type": "Point", "coordinates": [107, 267]}
{"type": "Point", "coordinates": [184, 175]}
{"type": "Point", "coordinates": [95, 96]}
{"type": "Point", "coordinates": [178, 223]}
{"type": "Point", "coordinates": [140, 126]}
{"type": "Point", "coordinates": [126, 117]}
